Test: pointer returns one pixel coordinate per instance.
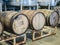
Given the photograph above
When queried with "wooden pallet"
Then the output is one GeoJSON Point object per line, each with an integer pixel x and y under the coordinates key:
{"type": "Point", "coordinates": [13, 38]}
{"type": "Point", "coordinates": [48, 31]}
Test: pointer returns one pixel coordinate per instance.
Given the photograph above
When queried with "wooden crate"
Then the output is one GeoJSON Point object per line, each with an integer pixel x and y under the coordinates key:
{"type": "Point", "coordinates": [6, 37]}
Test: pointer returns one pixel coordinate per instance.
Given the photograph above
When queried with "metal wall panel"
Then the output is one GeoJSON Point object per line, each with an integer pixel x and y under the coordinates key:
{"type": "Point", "coordinates": [23, 2]}
{"type": "Point", "coordinates": [46, 2]}
{"type": "Point", "coordinates": [1, 2]}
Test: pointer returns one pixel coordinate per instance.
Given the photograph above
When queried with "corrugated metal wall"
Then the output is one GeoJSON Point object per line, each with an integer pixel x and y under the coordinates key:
{"type": "Point", "coordinates": [23, 2]}
{"type": "Point", "coordinates": [1, 2]}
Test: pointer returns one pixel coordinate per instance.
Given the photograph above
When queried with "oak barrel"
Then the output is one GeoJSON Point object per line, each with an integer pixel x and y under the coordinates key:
{"type": "Point", "coordinates": [52, 17]}
{"type": "Point", "coordinates": [1, 28]}
{"type": "Point", "coordinates": [16, 22]}
{"type": "Point", "coordinates": [57, 8]}
{"type": "Point", "coordinates": [59, 15]}
{"type": "Point", "coordinates": [36, 18]}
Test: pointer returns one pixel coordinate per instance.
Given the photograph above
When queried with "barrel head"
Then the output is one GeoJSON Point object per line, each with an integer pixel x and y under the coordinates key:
{"type": "Point", "coordinates": [54, 18]}
{"type": "Point", "coordinates": [38, 21]}
{"type": "Point", "coordinates": [20, 24]}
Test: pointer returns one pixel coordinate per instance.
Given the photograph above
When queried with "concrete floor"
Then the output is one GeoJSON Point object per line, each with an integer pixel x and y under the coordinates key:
{"type": "Point", "coordinates": [50, 40]}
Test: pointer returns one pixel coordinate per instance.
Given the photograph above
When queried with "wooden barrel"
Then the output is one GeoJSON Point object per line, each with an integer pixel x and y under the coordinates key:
{"type": "Point", "coordinates": [52, 17]}
{"type": "Point", "coordinates": [37, 19]}
{"type": "Point", "coordinates": [59, 15]}
{"type": "Point", "coordinates": [1, 28]}
{"type": "Point", "coordinates": [16, 22]}
{"type": "Point", "coordinates": [57, 8]}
